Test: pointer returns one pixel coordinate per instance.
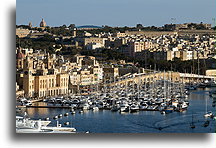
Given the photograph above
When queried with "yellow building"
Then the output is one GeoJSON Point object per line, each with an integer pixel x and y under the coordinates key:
{"type": "Point", "coordinates": [90, 40]}
{"type": "Point", "coordinates": [138, 46]}
{"type": "Point", "coordinates": [43, 82]}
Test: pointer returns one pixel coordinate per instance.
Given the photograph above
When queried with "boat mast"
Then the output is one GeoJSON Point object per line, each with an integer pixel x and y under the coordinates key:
{"type": "Point", "coordinates": [138, 87]}
{"type": "Point", "coordinates": [206, 105]}
{"type": "Point", "coordinates": [164, 86]}
{"type": "Point", "coordinates": [198, 62]}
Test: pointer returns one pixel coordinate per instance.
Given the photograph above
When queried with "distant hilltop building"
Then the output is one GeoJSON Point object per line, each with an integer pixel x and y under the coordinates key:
{"type": "Point", "coordinates": [200, 26]}
{"type": "Point", "coordinates": [43, 23]}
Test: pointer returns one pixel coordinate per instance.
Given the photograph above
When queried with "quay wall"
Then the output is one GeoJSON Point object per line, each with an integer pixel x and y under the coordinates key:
{"type": "Point", "coordinates": [175, 77]}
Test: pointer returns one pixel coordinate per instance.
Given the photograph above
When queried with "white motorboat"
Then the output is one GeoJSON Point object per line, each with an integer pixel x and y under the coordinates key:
{"type": "Point", "coordinates": [134, 108]}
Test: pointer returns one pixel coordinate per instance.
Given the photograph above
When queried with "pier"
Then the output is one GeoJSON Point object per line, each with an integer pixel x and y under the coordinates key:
{"type": "Point", "coordinates": [35, 106]}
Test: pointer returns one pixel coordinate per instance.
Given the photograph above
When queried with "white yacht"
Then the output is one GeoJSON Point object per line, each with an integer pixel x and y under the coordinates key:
{"type": "Point", "coordinates": [26, 125]}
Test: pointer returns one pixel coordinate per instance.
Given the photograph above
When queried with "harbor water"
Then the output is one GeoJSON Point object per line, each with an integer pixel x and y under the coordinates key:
{"type": "Point", "coordinates": [106, 121]}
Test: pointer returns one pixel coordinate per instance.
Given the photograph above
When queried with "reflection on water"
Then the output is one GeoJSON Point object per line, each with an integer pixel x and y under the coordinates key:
{"type": "Point", "coordinates": [106, 121]}
{"type": "Point", "coordinates": [39, 111]}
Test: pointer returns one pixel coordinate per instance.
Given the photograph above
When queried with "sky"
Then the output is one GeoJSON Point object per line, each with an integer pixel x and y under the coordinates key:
{"type": "Point", "coordinates": [114, 12]}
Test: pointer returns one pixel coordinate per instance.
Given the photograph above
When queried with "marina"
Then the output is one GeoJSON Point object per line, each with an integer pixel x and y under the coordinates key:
{"type": "Point", "coordinates": [128, 112]}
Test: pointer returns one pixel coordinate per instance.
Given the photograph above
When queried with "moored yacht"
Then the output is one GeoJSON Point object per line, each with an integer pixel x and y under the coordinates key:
{"type": "Point", "coordinates": [26, 125]}
{"type": "Point", "coordinates": [134, 108]}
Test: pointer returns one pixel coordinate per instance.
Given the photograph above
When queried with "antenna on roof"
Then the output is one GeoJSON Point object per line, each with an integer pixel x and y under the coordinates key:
{"type": "Point", "coordinates": [173, 20]}
{"type": "Point", "coordinates": [214, 22]}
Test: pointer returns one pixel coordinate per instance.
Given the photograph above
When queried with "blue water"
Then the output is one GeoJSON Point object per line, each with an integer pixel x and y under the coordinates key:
{"type": "Point", "coordinates": [105, 121]}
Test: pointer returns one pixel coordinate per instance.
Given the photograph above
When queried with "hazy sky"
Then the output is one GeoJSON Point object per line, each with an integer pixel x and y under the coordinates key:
{"type": "Point", "coordinates": [114, 12]}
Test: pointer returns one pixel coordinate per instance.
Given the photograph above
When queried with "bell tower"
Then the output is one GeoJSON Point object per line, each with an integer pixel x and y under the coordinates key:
{"type": "Point", "coordinates": [49, 61]}
{"type": "Point", "coordinates": [28, 79]}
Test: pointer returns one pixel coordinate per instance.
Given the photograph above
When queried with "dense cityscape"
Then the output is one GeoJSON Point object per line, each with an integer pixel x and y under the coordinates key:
{"type": "Point", "coordinates": [118, 69]}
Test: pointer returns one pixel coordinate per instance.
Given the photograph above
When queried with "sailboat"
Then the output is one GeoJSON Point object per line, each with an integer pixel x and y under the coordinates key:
{"type": "Point", "coordinates": [208, 114]}
{"type": "Point", "coordinates": [192, 125]}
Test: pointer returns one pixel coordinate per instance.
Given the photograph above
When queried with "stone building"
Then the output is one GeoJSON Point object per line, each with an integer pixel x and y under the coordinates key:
{"type": "Point", "coordinates": [21, 33]}
{"type": "Point", "coordinates": [20, 56]}
{"type": "Point", "coordinates": [43, 82]}
{"type": "Point", "coordinates": [138, 46]}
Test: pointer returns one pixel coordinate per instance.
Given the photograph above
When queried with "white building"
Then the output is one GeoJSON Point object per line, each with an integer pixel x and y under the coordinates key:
{"type": "Point", "coordinates": [92, 46]}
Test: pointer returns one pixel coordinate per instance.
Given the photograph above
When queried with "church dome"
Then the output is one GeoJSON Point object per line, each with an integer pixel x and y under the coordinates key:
{"type": "Point", "coordinates": [42, 23]}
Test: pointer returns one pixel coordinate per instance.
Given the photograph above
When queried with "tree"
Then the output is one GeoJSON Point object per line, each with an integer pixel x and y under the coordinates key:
{"type": "Point", "coordinates": [40, 29]}
{"type": "Point", "coordinates": [139, 26]}
{"type": "Point", "coordinates": [72, 26]}
{"type": "Point", "coordinates": [63, 26]}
